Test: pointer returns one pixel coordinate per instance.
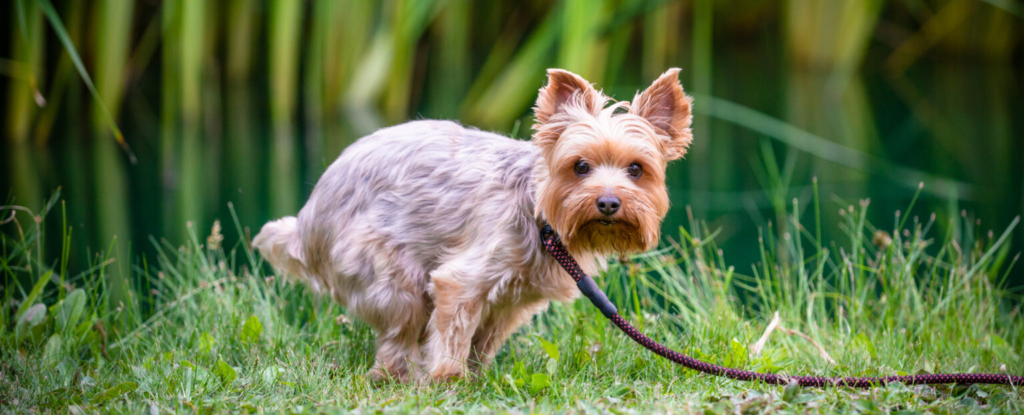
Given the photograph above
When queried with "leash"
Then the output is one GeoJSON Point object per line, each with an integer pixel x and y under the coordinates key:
{"type": "Point", "coordinates": [590, 289]}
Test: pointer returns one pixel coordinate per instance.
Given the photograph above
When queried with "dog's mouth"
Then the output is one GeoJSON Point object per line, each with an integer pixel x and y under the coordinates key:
{"type": "Point", "coordinates": [607, 235]}
{"type": "Point", "coordinates": [605, 222]}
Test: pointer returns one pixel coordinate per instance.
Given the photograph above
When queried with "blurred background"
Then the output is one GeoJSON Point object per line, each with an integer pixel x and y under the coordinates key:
{"type": "Point", "coordinates": [247, 102]}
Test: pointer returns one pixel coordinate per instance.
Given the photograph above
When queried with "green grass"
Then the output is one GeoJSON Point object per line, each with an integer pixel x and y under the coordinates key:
{"type": "Point", "coordinates": [204, 328]}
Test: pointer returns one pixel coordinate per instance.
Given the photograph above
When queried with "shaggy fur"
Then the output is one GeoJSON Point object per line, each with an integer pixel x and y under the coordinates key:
{"type": "Point", "coordinates": [429, 231]}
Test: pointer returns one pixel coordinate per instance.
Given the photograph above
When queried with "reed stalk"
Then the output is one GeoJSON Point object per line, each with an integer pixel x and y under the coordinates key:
{"type": "Point", "coordinates": [703, 63]}
{"type": "Point", "coordinates": [314, 95]}
{"type": "Point", "coordinates": [346, 44]}
{"type": "Point", "coordinates": [212, 115]}
{"type": "Point", "coordinates": [285, 22]}
{"type": "Point", "coordinates": [242, 27]}
{"type": "Point", "coordinates": [24, 71]}
{"type": "Point", "coordinates": [661, 38]}
{"type": "Point", "coordinates": [409, 22]}
{"type": "Point", "coordinates": [830, 34]}
{"type": "Point", "coordinates": [27, 43]}
{"type": "Point", "coordinates": [170, 110]}
{"type": "Point", "coordinates": [450, 63]}
{"type": "Point", "coordinates": [190, 171]}
{"type": "Point", "coordinates": [242, 137]}
{"type": "Point", "coordinates": [517, 84]}
{"type": "Point", "coordinates": [111, 45]}
{"type": "Point", "coordinates": [582, 50]}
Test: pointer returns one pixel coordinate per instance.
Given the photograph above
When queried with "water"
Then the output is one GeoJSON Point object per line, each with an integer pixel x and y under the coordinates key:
{"type": "Point", "coordinates": [946, 122]}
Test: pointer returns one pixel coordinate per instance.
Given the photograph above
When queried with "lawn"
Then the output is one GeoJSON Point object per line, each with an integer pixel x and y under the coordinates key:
{"type": "Point", "coordinates": [205, 327]}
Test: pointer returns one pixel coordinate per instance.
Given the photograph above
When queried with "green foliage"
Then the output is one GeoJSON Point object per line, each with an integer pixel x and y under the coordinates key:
{"type": "Point", "coordinates": [29, 321]}
{"type": "Point", "coordinates": [862, 342]}
{"type": "Point", "coordinates": [113, 392]}
{"type": "Point", "coordinates": [252, 329]}
{"type": "Point", "coordinates": [539, 382]}
{"type": "Point", "coordinates": [70, 309]}
{"type": "Point", "coordinates": [206, 342]}
{"type": "Point", "coordinates": [550, 348]}
{"type": "Point", "coordinates": [30, 299]}
{"type": "Point", "coordinates": [225, 372]}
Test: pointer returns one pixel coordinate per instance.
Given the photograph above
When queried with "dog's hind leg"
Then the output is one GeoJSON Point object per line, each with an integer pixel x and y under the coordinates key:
{"type": "Point", "coordinates": [400, 317]}
{"type": "Point", "coordinates": [452, 324]}
{"type": "Point", "coordinates": [386, 291]}
{"type": "Point", "coordinates": [397, 355]}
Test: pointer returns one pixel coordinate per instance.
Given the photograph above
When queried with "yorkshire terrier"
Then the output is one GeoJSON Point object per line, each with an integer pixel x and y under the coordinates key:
{"type": "Point", "coordinates": [430, 231]}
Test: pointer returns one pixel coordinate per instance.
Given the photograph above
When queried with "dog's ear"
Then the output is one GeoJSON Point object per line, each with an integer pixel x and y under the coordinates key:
{"type": "Point", "coordinates": [565, 89]}
{"type": "Point", "coordinates": [667, 108]}
{"type": "Point", "coordinates": [564, 93]}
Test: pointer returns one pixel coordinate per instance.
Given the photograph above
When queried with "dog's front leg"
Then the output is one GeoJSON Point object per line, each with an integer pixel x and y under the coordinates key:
{"type": "Point", "coordinates": [452, 324]}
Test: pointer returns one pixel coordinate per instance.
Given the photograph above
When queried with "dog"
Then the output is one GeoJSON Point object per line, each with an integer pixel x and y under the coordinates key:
{"type": "Point", "coordinates": [430, 231]}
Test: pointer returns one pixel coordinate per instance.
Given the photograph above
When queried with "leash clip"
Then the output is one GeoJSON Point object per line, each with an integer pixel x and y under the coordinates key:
{"type": "Point", "coordinates": [546, 232]}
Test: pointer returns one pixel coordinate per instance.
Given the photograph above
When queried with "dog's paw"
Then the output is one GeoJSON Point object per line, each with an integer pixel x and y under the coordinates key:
{"type": "Point", "coordinates": [378, 375]}
{"type": "Point", "coordinates": [447, 373]}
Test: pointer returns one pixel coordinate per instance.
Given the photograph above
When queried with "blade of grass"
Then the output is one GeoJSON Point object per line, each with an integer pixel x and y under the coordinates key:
{"type": "Point", "coordinates": [69, 47]}
{"type": "Point", "coordinates": [62, 78]}
{"type": "Point", "coordinates": [912, 201]}
{"type": "Point", "coordinates": [820, 147]}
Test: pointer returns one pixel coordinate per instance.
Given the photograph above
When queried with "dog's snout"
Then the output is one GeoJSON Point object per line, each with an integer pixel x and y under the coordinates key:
{"type": "Point", "coordinates": [608, 204]}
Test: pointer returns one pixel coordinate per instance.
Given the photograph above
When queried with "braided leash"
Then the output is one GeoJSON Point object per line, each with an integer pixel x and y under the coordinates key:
{"type": "Point", "coordinates": [590, 289]}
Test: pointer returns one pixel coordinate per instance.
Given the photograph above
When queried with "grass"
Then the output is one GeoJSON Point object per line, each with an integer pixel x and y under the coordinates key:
{"type": "Point", "coordinates": [205, 328]}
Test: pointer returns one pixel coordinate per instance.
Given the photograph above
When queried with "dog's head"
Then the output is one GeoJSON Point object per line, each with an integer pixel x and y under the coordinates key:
{"type": "Point", "coordinates": [603, 189]}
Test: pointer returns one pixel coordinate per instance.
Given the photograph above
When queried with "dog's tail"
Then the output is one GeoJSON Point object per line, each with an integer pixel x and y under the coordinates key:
{"type": "Point", "coordinates": [280, 244]}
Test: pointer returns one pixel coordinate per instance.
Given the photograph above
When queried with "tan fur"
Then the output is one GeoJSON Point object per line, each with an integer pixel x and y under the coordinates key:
{"type": "Point", "coordinates": [429, 231]}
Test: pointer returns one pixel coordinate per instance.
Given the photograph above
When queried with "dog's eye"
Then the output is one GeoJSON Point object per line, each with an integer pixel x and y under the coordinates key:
{"type": "Point", "coordinates": [582, 168]}
{"type": "Point", "coordinates": [635, 170]}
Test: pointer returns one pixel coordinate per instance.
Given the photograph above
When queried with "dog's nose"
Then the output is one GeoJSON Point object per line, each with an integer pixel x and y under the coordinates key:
{"type": "Point", "coordinates": [608, 204]}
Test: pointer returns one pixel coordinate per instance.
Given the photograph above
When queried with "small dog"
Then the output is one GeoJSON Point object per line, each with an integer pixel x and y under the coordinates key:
{"type": "Point", "coordinates": [430, 232]}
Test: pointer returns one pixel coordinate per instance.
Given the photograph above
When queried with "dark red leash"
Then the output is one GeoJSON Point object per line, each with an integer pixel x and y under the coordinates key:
{"type": "Point", "coordinates": [590, 289]}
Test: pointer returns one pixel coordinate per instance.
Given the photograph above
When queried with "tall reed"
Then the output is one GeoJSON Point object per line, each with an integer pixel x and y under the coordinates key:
{"type": "Point", "coordinates": [191, 44]}
{"type": "Point", "coordinates": [28, 69]}
{"type": "Point", "coordinates": [518, 76]}
{"type": "Point", "coordinates": [830, 34]}
{"type": "Point", "coordinates": [582, 48]}
{"type": "Point", "coordinates": [285, 22]}
{"type": "Point", "coordinates": [242, 137]}
{"type": "Point", "coordinates": [450, 63]}
{"type": "Point", "coordinates": [111, 43]}
{"type": "Point", "coordinates": [701, 84]}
